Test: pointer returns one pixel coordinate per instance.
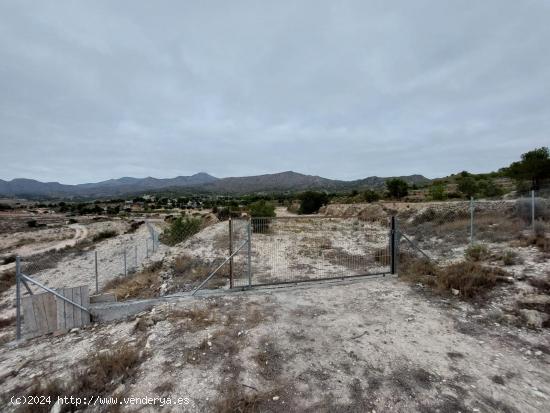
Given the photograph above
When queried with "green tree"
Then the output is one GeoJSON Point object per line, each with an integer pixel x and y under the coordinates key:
{"type": "Point", "coordinates": [467, 185]}
{"type": "Point", "coordinates": [534, 166]}
{"type": "Point", "coordinates": [311, 202]}
{"type": "Point", "coordinates": [180, 229]}
{"type": "Point", "coordinates": [437, 192]}
{"type": "Point", "coordinates": [397, 188]}
{"type": "Point", "coordinates": [488, 188]}
{"type": "Point", "coordinates": [371, 196]}
{"type": "Point", "coordinates": [261, 209]}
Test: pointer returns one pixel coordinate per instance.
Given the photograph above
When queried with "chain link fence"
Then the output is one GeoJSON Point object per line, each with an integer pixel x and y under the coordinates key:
{"type": "Point", "coordinates": [445, 230]}
{"type": "Point", "coordinates": [92, 265]}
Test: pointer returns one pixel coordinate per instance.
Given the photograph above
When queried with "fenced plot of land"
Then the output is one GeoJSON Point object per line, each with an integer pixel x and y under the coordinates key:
{"type": "Point", "coordinates": [295, 249]}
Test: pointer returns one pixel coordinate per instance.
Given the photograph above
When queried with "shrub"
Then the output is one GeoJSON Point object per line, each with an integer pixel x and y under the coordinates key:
{"type": "Point", "coordinates": [32, 223]}
{"type": "Point", "coordinates": [143, 284]}
{"type": "Point", "coordinates": [311, 202]}
{"type": "Point", "coordinates": [470, 278]}
{"type": "Point", "coordinates": [397, 188]}
{"type": "Point", "coordinates": [261, 209]}
{"type": "Point", "coordinates": [104, 235]}
{"type": "Point", "coordinates": [477, 252]}
{"type": "Point", "coordinates": [524, 208]}
{"type": "Point", "coordinates": [371, 196]}
{"type": "Point", "coordinates": [180, 229]}
{"type": "Point", "coordinates": [223, 214]}
{"type": "Point", "coordinates": [437, 192]}
{"type": "Point", "coordinates": [510, 258]}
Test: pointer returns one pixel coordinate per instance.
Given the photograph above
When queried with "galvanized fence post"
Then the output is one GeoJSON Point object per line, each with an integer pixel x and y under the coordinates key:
{"type": "Point", "coordinates": [146, 247]}
{"type": "Point", "coordinates": [135, 256]}
{"type": "Point", "coordinates": [472, 220]}
{"type": "Point", "coordinates": [230, 253]}
{"type": "Point", "coordinates": [249, 251]}
{"type": "Point", "coordinates": [393, 266]}
{"type": "Point", "coordinates": [533, 210]}
{"type": "Point", "coordinates": [125, 268]}
{"type": "Point", "coordinates": [18, 298]}
{"type": "Point", "coordinates": [96, 274]}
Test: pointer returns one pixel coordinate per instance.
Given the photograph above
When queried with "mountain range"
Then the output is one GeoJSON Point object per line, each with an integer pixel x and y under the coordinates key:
{"type": "Point", "coordinates": [200, 183]}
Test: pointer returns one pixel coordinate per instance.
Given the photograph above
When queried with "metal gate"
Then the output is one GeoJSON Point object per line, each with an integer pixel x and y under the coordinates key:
{"type": "Point", "coordinates": [305, 248]}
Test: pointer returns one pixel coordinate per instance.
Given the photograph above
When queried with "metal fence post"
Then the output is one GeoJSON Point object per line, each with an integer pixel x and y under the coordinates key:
{"type": "Point", "coordinates": [393, 263]}
{"type": "Point", "coordinates": [230, 253]}
{"type": "Point", "coordinates": [135, 256]}
{"type": "Point", "coordinates": [125, 268]}
{"type": "Point", "coordinates": [18, 298]}
{"type": "Point", "coordinates": [472, 220]}
{"type": "Point", "coordinates": [96, 274]}
{"type": "Point", "coordinates": [249, 253]}
{"type": "Point", "coordinates": [533, 210]}
{"type": "Point", "coordinates": [146, 247]}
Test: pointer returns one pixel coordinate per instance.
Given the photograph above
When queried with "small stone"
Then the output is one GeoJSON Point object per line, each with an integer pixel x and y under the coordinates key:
{"type": "Point", "coordinates": [455, 292]}
{"type": "Point", "coordinates": [209, 343]}
{"type": "Point", "coordinates": [538, 353]}
{"type": "Point", "coordinates": [275, 398]}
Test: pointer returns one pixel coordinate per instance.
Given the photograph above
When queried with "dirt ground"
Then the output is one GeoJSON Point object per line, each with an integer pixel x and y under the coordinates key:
{"type": "Point", "coordinates": [368, 345]}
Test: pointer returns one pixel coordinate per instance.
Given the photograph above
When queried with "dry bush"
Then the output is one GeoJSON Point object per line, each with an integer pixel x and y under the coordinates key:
{"type": "Point", "coordinates": [98, 377]}
{"type": "Point", "coordinates": [7, 279]}
{"type": "Point", "coordinates": [6, 322]}
{"type": "Point", "coordinates": [541, 242]}
{"type": "Point", "coordinates": [237, 399]}
{"type": "Point", "coordinates": [477, 252]}
{"type": "Point", "coordinates": [195, 318]}
{"type": "Point", "coordinates": [143, 284]}
{"type": "Point", "coordinates": [269, 359]}
{"type": "Point", "coordinates": [510, 257]}
{"type": "Point", "coordinates": [495, 227]}
{"type": "Point", "coordinates": [104, 235]}
{"type": "Point", "coordinates": [102, 368]}
{"type": "Point", "coordinates": [471, 279]}
{"type": "Point", "coordinates": [417, 270]}
{"type": "Point", "coordinates": [188, 272]}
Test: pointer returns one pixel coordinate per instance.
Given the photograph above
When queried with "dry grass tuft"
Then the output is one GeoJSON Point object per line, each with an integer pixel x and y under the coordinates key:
{"type": "Point", "coordinates": [471, 279]}
{"type": "Point", "coordinates": [195, 318]}
{"type": "Point", "coordinates": [100, 375]}
{"type": "Point", "coordinates": [238, 399]}
{"type": "Point", "coordinates": [477, 252]}
{"type": "Point", "coordinates": [143, 284]}
{"type": "Point", "coordinates": [7, 279]}
{"type": "Point", "coordinates": [188, 272]}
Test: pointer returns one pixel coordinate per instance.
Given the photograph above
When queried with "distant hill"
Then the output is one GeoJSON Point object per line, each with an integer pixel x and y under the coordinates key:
{"type": "Point", "coordinates": [201, 182]}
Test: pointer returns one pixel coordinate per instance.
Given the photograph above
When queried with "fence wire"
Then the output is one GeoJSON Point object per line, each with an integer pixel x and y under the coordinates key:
{"type": "Point", "coordinates": [294, 249]}
{"type": "Point", "coordinates": [445, 230]}
{"type": "Point", "coordinates": [91, 264]}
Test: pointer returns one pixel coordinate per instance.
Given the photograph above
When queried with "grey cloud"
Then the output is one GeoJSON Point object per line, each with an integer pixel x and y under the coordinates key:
{"type": "Point", "coordinates": [100, 89]}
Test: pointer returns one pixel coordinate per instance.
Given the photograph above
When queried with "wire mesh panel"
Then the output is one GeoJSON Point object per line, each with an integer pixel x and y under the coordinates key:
{"type": "Point", "coordinates": [294, 249]}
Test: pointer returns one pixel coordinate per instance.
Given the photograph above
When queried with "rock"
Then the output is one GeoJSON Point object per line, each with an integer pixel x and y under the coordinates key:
{"type": "Point", "coordinates": [455, 292]}
{"type": "Point", "coordinates": [275, 398]}
{"type": "Point", "coordinates": [56, 408]}
{"type": "Point", "coordinates": [533, 318]}
{"type": "Point", "coordinates": [119, 390]}
{"type": "Point", "coordinates": [75, 330]}
{"type": "Point", "coordinates": [538, 353]}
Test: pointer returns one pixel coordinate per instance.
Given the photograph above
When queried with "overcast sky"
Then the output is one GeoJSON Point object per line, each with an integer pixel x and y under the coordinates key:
{"type": "Point", "coordinates": [92, 90]}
